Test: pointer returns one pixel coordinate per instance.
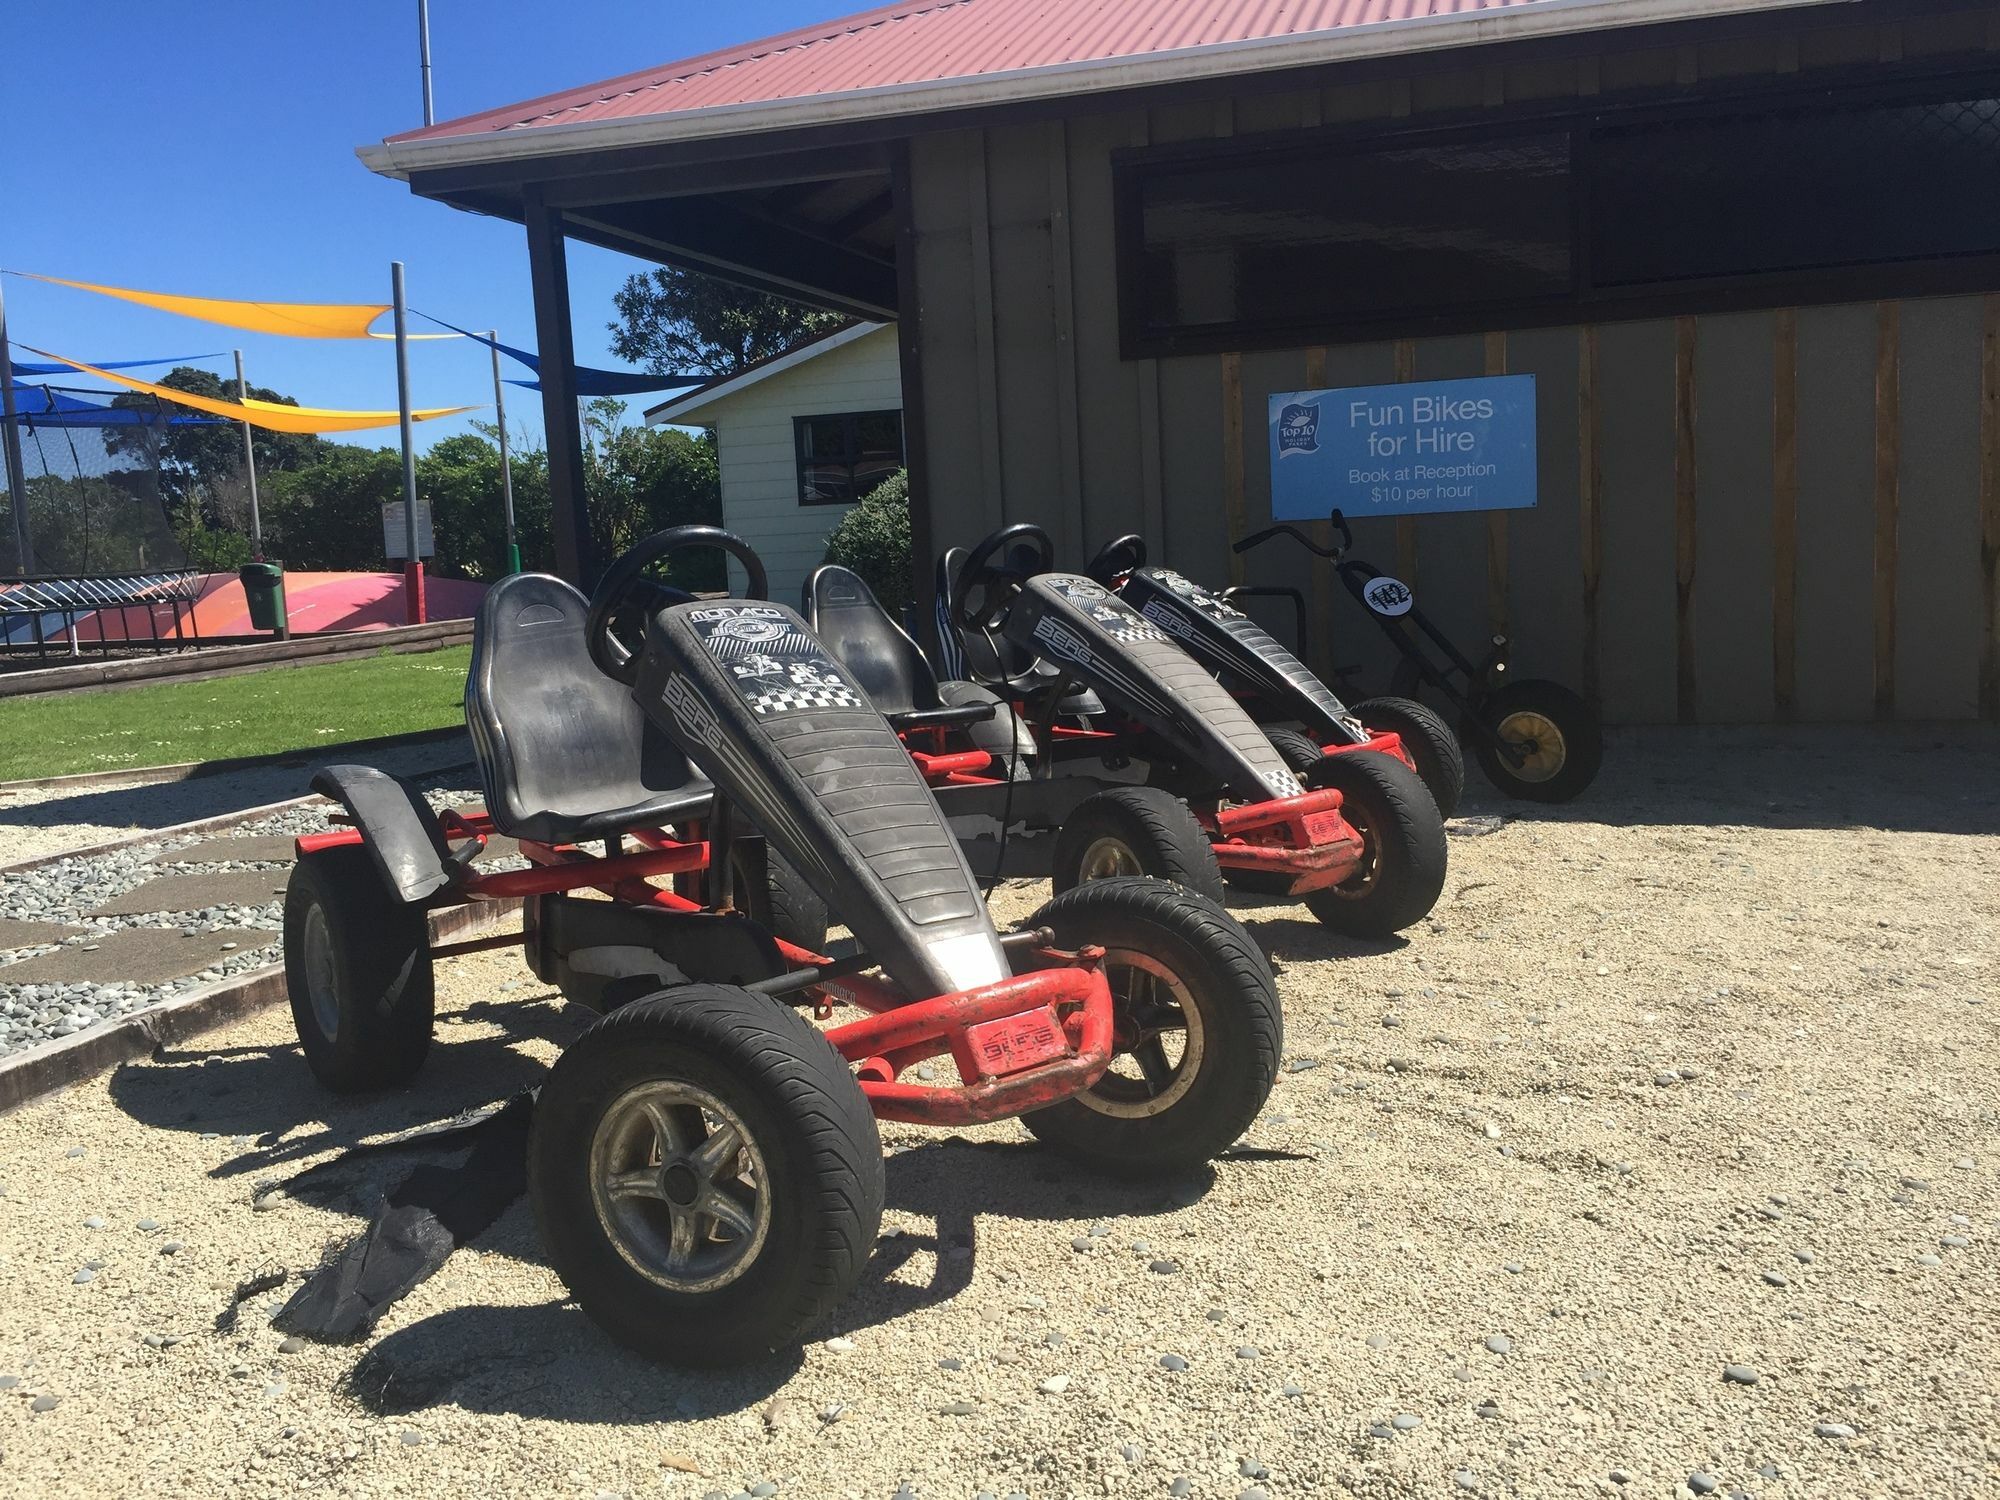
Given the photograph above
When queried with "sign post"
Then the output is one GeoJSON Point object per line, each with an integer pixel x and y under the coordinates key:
{"type": "Point", "coordinates": [1416, 448]}
{"type": "Point", "coordinates": [413, 569]}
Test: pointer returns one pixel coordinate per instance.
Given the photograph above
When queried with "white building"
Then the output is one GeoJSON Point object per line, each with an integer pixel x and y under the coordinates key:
{"type": "Point", "coordinates": [800, 438]}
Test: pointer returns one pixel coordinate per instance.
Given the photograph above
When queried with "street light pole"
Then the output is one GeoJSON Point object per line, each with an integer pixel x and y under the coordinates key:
{"type": "Point", "coordinates": [250, 468]}
{"type": "Point", "coordinates": [506, 468]}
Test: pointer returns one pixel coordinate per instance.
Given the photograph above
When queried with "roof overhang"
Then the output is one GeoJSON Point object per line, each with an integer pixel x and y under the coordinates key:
{"type": "Point", "coordinates": [525, 145]}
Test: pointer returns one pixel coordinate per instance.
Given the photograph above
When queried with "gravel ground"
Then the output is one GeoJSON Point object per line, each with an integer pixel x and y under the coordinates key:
{"type": "Point", "coordinates": [48, 820]}
{"type": "Point", "coordinates": [65, 890]}
{"type": "Point", "coordinates": [1664, 1161]}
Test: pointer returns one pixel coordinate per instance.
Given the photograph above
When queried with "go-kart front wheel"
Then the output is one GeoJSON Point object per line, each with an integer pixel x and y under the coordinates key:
{"type": "Point", "coordinates": [1429, 742]}
{"type": "Point", "coordinates": [1555, 736]}
{"type": "Point", "coordinates": [1198, 1029]}
{"type": "Point", "coordinates": [357, 971]}
{"type": "Point", "coordinates": [1135, 830]}
{"type": "Point", "coordinates": [705, 1174]}
{"type": "Point", "coordinates": [1403, 846]}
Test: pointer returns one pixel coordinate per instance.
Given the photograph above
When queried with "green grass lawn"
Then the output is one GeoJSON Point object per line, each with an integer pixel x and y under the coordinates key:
{"type": "Point", "coordinates": [256, 713]}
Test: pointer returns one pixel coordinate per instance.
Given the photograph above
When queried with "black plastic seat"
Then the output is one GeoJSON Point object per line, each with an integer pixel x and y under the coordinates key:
{"type": "Point", "coordinates": [890, 667]}
{"type": "Point", "coordinates": [988, 656]}
{"type": "Point", "coordinates": [564, 753]}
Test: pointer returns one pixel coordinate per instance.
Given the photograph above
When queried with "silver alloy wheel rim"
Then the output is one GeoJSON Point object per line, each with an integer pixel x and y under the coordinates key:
{"type": "Point", "coordinates": [1525, 727]}
{"type": "Point", "coordinates": [680, 1186]}
{"type": "Point", "coordinates": [1108, 855]}
{"type": "Point", "coordinates": [321, 988]}
{"type": "Point", "coordinates": [1164, 1080]}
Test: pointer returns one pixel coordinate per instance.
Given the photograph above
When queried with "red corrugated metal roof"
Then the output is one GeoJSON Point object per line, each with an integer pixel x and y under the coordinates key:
{"type": "Point", "coordinates": [933, 41]}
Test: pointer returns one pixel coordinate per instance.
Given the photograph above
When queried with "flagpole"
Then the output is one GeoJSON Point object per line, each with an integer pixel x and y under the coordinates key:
{"type": "Point", "coordinates": [506, 469]}
{"type": "Point", "coordinates": [250, 468]}
{"type": "Point", "coordinates": [413, 565]}
{"type": "Point", "coordinates": [10, 439]}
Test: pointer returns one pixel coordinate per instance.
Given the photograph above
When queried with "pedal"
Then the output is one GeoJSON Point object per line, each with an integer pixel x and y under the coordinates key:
{"type": "Point", "coordinates": [1014, 1044]}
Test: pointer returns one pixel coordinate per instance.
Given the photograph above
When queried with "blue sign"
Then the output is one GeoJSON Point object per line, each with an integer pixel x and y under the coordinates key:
{"type": "Point", "coordinates": [1404, 450]}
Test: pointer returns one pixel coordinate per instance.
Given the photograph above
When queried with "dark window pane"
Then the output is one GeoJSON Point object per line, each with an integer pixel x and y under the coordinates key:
{"type": "Point", "coordinates": [1346, 236]}
{"type": "Point", "coordinates": [879, 434]}
{"type": "Point", "coordinates": [826, 484]}
{"type": "Point", "coordinates": [823, 437]}
{"type": "Point", "coordinates": [1799, 190]}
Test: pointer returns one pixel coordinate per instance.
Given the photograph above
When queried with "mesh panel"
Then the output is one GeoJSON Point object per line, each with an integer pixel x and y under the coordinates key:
{"type": "Point", "coordinates": [93, 491]}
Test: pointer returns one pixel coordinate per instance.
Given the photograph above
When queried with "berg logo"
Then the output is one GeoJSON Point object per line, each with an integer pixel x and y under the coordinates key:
{"type": "Point", "coordinates": [1168, 619]}
{"type": "Point", "coordinates": [1062, 641]}
{"type": "Point", "coordinates": [1298, 428]}
{"type": "Point", "coordinates": [690, 712]}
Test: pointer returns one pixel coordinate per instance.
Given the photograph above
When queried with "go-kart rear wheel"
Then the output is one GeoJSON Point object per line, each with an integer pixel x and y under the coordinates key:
{"type": "Point", "coordinates": [777, 897]}
{"type": "Point", "coordinates": [1557, 734]}
{"type": "Point", "coordinates": [1403, 861]}
{"type": "Point", "coordinates": [1135, 830]}
{"type": "Point", "coordinates": [357, 971]}
{"type": "Point", "coordinates": [1429, 741]}
{"type": "Point", "coordinates": [1199, 1029]}
{"type": "Point", "coordinates": [1301, 752]}
{"type": "Point", "coordinates": [705, 1174]}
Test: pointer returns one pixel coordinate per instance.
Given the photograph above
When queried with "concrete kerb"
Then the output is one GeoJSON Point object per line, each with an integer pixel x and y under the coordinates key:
{"type": "Point", "coordinates": [42, 1070]}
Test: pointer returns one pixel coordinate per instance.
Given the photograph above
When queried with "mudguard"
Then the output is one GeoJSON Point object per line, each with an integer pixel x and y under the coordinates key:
{"type": "Point", "coordinates": [1104, 643]}
{"type": "Point", "coordinates": [1225, 639]}
{"type": "Point", "coordinates": [752, 697]}
{"type": "Point", "coordinates": [398, 828]}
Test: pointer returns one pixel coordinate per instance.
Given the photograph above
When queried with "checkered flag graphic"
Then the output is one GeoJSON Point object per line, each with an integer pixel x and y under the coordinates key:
{"type": "Point", "coordinates": [791, 698]}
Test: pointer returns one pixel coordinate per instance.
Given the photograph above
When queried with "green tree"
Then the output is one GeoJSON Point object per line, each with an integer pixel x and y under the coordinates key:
{"type": "Point", "coordinates": [329, 514]}
{"type": "Point", "coordinates": [676, 322]}
{"type": "Point", "coordinates": [874, 540]}
{"type": "Point", "coordinates": [460, 480]}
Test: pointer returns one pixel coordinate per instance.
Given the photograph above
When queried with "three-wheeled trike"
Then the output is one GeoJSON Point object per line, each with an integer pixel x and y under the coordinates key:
{"type": "Point", "coordinates": [704, 1164]}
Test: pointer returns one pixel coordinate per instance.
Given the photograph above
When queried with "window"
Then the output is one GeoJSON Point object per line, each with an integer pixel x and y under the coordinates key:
{"type": "Point", "coordinates": [844, 456]}
{"type": "Point", "coordinates": [1326, 235]}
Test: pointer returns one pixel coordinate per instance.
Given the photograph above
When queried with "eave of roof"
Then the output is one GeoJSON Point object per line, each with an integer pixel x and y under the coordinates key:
{"type": "Point", "coordinates": [451, 144]}
{"type": "Point", "coordinates": [671, 413]}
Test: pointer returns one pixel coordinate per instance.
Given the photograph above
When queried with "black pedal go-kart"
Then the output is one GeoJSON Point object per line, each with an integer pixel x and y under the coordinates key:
{"type": "Point", "coordinates": [705, 1168]}
{"type": "Point", "coordinates": [1534, 739]}
{"type": "Point", "coordinates": [1303, 717]}
{"type": "Point", "coordinates": [1195, 791]}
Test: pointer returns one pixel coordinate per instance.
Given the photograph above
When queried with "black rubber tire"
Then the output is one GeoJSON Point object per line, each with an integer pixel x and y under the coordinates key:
{"type": "Point", "coordinates": [1162, 835]}
{"type": "Point", "coordinates": [1301, 752]}
{"type": "Point", "coordinates": [1242, 1028]}
{"type": "Point", "coordinates": [1428, 739]}
{"type": "Point", "coordinates": [376, 963]}
{"type": "Point", "coordinates": [800, 1104]}
{"type": "Point", "coordinates": [1390, 807]}
{"type": "Point", "coordinates": [778, 898]}
{"type": "Point", "coordinates": [1582, 736]}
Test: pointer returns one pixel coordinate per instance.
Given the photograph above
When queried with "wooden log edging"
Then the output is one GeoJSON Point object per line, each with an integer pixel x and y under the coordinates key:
{"type": "Point", "coordinates": [40, 1071]}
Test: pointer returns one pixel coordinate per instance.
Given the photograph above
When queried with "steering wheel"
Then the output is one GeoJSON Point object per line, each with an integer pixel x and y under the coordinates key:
{"type": "Point", "coordinates": [1116, 558]}
{"type": "Point", "coordinates": [992, 569]}
{"type": "Point", "coordinates": [624, 590]}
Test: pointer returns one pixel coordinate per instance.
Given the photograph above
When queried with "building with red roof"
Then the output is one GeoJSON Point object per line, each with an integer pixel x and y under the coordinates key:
{"type": "Point", "coordinates": [1729, 271]}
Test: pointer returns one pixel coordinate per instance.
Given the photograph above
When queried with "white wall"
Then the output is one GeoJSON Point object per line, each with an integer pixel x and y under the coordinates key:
{"type": "Point", "coordinates": [760, 481]}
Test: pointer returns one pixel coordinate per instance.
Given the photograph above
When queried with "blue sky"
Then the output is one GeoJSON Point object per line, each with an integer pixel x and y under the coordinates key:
{"type": "Point", "coordinates": [208, 149]}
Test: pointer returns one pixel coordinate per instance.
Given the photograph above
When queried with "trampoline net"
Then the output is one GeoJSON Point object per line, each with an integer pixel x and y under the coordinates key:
{"type": "Point", "coordinates": [93, 500]}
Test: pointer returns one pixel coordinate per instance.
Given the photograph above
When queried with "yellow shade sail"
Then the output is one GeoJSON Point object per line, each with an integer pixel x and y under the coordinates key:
{"type": "Point", "coordinates": [303, 320]}
{"type": "Point", "coordinates": [272, 416]}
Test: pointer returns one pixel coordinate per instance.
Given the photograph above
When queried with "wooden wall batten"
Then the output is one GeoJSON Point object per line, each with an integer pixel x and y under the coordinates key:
{"type": "Point", "coordinates": [1685, 517]}
{"type": "Point", "coordinates": [1785, 512]}
{"type": "Point", "coordinates": [1496, 520]}
{"type": "Point", "coordinates": [1989, 499]}
{"type": "Point", "coordinates": [1232, 460]}
{"type": "Point", "coordinates": [1406, 526]}
{"type": "Point", "coordinates": [1888, 435]}
{"type": "Point", "coordinates": [1590, 503]}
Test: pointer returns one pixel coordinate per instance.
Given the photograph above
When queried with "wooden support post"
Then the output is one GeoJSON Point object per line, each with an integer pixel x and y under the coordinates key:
{"type": "Point", "coordinates": [1590, 501]}
{"type": "Point", "coordinates": [569, 505]}
{"type": "Point", "coordinates": [1406, 526]}
{"type": "Point", "coordinates": [1496, 520]}
{"type": "Point", "coordinates": [1232, 460]}
{"type": "Point", "coordinates": [916, 434]}
{"type": "Point", "coordinates": [1888, 460]}
{"type": "Point", "coordinates": [1684, 520]}
{"type": "Point", "coordinates": [1785, 512]}
{"type": "Point", "coordinates": [1989, 504]}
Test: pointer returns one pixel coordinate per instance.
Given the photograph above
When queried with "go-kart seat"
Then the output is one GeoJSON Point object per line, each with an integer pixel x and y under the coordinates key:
{"type": "Point", "coordinates": [564, 753]}
{"type": "Point", "coordinates": [844, 613]}
{"type": "Point", "coordinates": [989, 657]}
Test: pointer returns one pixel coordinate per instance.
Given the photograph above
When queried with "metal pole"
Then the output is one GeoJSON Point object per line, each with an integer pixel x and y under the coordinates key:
{"type": "Point", "coordinates": [250, 468]}
{"type": "Point", "coordinates": [10, 439]}
{"type": "Point", "coordinates": [506, 468]}
{"type": "Point", "coordinates": [424, 50]}
{"type": "Point", "coordinates": [413, 566]}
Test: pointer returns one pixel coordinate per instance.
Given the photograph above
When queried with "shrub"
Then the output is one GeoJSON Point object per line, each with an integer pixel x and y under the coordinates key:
{"type": "Point", "coordinates": [874, 540]}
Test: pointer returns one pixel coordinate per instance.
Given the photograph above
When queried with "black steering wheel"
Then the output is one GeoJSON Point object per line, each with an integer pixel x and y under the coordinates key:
{"type": "Point", "coordinates": [614, 630]}
{"type": "Point", "coordinates": [996, 571]}
{"type": "Point", "coordinates": [1117, 557]}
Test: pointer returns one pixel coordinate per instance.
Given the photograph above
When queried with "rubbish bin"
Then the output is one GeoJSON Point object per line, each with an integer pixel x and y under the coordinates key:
{"type": "Point", "coordinates": [264, 591]}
